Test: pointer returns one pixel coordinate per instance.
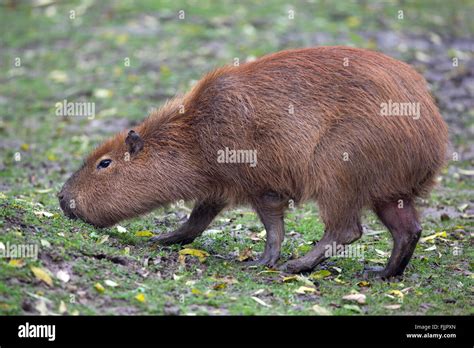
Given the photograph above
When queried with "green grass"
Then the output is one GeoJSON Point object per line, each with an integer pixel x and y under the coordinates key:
{"type": "Point", "coordinates": [73, 59]}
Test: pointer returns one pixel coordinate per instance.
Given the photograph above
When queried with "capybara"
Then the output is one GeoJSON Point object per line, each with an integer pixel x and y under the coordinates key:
{"type": "Point", "coordinates": [347, 128]}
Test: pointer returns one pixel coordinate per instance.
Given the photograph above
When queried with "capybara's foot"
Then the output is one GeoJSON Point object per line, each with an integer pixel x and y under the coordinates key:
{"type": "Point", "coordinates": [264, 260]}
{"type": "Point", "coordinates": [170, 239]}
{"type": "Point", "coordinates": [296, 266]}
{"type": "Point", "coordinates": [377, 272]}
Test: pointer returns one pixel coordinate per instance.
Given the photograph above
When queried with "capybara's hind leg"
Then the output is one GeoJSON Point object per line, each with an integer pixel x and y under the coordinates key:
{"type": "Point", "coordinates": [333, 238]}
{"type": "Point", "coordinates": [270, 208]}
{"type": "Point", "coordinates": [401, 219]}
{"type": "Point", "coordinates": [341, 218]}
{"type": "Point", "coordinates": [202, 215]}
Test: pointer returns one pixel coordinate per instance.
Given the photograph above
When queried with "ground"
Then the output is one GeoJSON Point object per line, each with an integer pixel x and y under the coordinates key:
{"type": "Point", "coordinates": [48, 54]}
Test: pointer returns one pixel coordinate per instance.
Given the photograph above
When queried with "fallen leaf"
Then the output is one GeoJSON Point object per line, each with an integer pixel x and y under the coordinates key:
{"type": "Point", "coordinates": [219, 286]}
{"type": "Point", "coordinates": [463, 207]}
{"type": "Point", "coordinates": [110, 283]}
{"type": "Point", "coordinates": [42, 308]}
{"type": "Point", "coordinates": [59, 76]}
{"type": "Point", "coordinates": [121, 229]}
{"type": "Point", "coordinates": [144, 234]}
{"type": "Point", "coordinates": [289, 279]}
{"type": "Point", "coordinates": [305, 289]}
{"type": "Point", "coordinates": [319, 310]}
{"type": "Point", "coordinates": [140, 297]}
{"type": "Point", "coordinates": [382, 253]}
{"type": "Point", "coordinates": [196, 291]}
{"type": "Point", "coordinates": [320, 274]}
{"type": "Point", "coordinates": [45, 243]}
{"type": "Point", "coordinates": [434, 236]}
{"type": "Point", "coordinates": [259, 301]}
{"type": "Point", "coordinates": [200, 254]}
{"type": "Point", "coordinates": [18, 263]}
{"type": "Point", "coordinates": [465, 171]}
{"type": "Point", "coordinates": [63, 276]}
{"type": "Point", "coordinates": [99, 287]}
{"type": "Point", "coordinates": [396, 293]}
{"type": "Point", "coordinates": [103, 239]}
{"type": "Point", "coordinates": [393, 306]}
{"type": "Point", "coordinates": [43, 213]}
{"type": "Point", "coordinates": [363, 284]}
{"type": "Point", "coordinates": [62, 307]}
{"type": "Point", "coordinates": [357, 297]}
{"type": "Point", "coordinates": [102, 93]}
{"type": "Point", "coordinates": [245, 254]}
{"type": "Point", "coordinates": [42, 275]}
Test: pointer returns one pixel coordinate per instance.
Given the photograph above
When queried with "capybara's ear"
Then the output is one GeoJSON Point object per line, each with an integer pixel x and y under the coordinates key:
{"type": "Point", "coordinates": [134, 142]}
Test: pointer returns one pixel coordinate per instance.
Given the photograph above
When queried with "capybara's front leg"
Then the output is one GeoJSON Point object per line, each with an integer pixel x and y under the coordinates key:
{"type": "Point", "coordinates": [202, 215]}
{"type": "Point", "coordinates": [270, 208]}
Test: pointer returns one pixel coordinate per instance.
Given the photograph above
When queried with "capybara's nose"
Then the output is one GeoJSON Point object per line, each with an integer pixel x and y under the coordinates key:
{"type": "Point", "coordinates": [64, 203]}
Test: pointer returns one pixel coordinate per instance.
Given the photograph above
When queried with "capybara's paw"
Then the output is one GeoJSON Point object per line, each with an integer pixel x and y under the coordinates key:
{"type": "Point", "coordinates": [164, 239]}
{"type": "Point", "coordinates": [295, 266]}
{"type": "Point", "coordinates": [262, 261]}
{"type": "Point", "coordinates": [377, 272]}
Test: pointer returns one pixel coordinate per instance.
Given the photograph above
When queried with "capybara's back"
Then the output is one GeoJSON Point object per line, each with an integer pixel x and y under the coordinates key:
{"type": "Point", "coordinates": [346, 127]}
{"type": "Point", "coordinates": [324, 124]}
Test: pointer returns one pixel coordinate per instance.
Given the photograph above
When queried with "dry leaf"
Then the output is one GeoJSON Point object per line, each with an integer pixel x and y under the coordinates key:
{"type": "Point", "coordinates": [110, 283]}
{"type": "Point", "coordinates": [245, 254]}
{"type": "Point", "coordinates": [394, 306]}
{"type": "Point", "coordinates": [99, 287]}
{"type": "Point", "coordinates": [396, 293]}
{"type": "Point", "coordinates": [363, 284]}
{"type": "Point", "coordinates": [45, 243]}
{"type": "Point", "coordinates": [434, 236]}
{"type": "Point", "coordinates": [261, 302]}
{"type": "Point", "coordinates": [42, 275]}
{"type": "Point", "coordinates": [18, 263]}
{"type": "Point", "coordinates": [382, 253]}
{"type": "Point", "coordinates": [63, 276]}
{"type": "Point", "coordinates": [121, 229]}
{"type": "Point", "coordinates": [43, 213]}
{"type": "Point", "coordinates": [62, 307]}
{"type": "Point", "coordinates": [305, 289]}
{"type": "Point", "coordinates": [102, 93]}
{"type": "Point", "coordinates": [319, 310]}
{"type": "Point", "coordinates": [41, 307]}
{"type": "Point", "coordinates": [104, 239]}
{"type": "Point", "coordinates": [144, 234]}
{"type": "Point", "coordinates": [320, 274]}
{"type": "Point", "coordinates": [140, 297]}
{"type": "Point", "coordinates": [357, 297]}
{"type": "Point", "coordinates": [200, 254]}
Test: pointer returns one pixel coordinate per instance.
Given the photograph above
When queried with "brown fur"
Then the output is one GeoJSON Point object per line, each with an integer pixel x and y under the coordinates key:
{"type": "Point", "coordinates": [300, 155]}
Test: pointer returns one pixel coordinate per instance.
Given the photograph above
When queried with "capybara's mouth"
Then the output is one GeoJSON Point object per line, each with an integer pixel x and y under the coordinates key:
{"type": "Point", "coordinates": [65, 207]}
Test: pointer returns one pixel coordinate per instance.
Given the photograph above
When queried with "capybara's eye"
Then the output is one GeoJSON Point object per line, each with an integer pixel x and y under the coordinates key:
{"type": "Point", "coordinates": [104, 163]}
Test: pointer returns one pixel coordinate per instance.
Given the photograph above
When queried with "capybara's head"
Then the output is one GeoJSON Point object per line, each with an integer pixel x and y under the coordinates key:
{"type": "Point", "coordinates": [104, 190]}
{"type": "Point", "coordinates": [126, 176]}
